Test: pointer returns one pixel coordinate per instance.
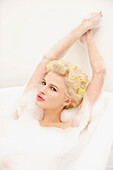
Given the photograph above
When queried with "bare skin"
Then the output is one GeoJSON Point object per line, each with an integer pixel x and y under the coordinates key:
{"type": "Point", "coordinates": [61, 125]}
{"type": "Point", "coordinates": [53, 106]}
{"type": "Point", "coordinates": [98, 69]}
{"type": "Point", "coordinates": [53, 95]}
{"type": "Point", "coordinates": [60, 48]}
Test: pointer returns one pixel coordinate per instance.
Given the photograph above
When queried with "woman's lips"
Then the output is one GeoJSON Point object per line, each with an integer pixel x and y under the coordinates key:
{"type": "Point", "coordinates": [40, 98]}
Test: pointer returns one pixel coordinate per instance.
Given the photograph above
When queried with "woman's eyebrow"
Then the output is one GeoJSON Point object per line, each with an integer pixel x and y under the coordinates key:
{"type": "Point", "coordinates": [51, 84]}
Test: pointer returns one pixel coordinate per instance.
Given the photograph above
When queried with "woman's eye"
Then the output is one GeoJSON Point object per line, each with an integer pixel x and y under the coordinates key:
{"type": "Point", "coordinates": [51, 87]}
{"type": "Point", "coordinates": [43, 82]}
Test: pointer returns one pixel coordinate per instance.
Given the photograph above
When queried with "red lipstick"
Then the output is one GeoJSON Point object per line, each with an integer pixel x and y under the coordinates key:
{"type": "Point", "coordinates": [40, 98]}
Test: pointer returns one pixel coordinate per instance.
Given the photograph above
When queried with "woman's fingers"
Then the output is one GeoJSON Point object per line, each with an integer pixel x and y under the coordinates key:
{"type": "Point", "coordinates": [83, 40]}
{"type": "Point", "coordinates": [93, 20]}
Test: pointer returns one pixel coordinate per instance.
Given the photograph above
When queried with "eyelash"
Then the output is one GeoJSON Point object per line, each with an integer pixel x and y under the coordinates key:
{"type": "Point", "coordinates": [52, 87]}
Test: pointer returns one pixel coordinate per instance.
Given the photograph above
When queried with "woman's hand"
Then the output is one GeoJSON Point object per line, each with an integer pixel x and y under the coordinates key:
{"type": "Point", "coordinates": [86, 37]}
{"type": "Point", "coordinates": [93, 20]}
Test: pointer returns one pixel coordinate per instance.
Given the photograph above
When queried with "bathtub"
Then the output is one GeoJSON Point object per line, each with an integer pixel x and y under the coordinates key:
{"type": "Point", "coordinates": [99, 153]}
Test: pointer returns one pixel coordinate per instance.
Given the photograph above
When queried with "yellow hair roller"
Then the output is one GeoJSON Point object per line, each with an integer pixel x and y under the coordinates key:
{"type": "Point", "coordinates": [74, 77]}
{"type": "Point", "coordinates": [48, 66]}
{"type": "Point", "coordinates": [52, 62]}
{"type": "Point", "coordinates": [74, 103]}
{"type": "Point", "coordinates": [76, 87]}
{"type": "Point", "coordinates": [60, 61]}
{"type": "Point", "coordinates": [81, 91]}
{"type": "Point", "coordinates": [73, 66]}
{"type": "Point", "coordinates": [83, 81]}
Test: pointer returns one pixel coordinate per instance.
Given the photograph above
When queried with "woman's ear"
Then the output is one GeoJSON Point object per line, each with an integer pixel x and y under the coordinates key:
{"type": "Point", "coordinates": [67, 102]}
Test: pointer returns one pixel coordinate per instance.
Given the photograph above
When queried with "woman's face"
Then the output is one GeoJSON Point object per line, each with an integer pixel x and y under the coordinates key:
{"type": "Point", "coordinates": [52, 90]}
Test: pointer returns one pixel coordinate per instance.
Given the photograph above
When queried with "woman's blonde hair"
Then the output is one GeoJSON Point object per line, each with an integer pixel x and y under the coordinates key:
{"type": "Point", "coordinates": [75, 79]}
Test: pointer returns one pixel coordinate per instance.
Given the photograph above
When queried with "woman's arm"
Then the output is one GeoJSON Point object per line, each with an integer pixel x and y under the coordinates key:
{"type": "Point", "coordinates": [61, 47]}
{"type": "Point", "coordinates": [58, 50]}
{"type": "Point", "coordinates": [55, 53]}
{"type": "Point", "coordinates": [38, 75]}
{"type": "Point", "coordinates": [98, 70]}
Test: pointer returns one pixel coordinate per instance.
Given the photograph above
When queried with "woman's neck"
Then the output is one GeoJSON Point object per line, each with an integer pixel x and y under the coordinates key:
{"type": "Point", "coordinates": [52, 116]}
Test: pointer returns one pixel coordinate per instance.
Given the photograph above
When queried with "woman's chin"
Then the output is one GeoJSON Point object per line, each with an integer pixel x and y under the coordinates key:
{"type": "Point", "coordinates": [43, 105]}
{"type": "Point", "coordinates": [39, 103]}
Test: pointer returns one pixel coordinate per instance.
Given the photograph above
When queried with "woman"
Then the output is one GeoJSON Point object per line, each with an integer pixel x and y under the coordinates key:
{"type": "Point", "coordinates": [62, 85]}
{"type": "Point", "coordinates": [50, 71]}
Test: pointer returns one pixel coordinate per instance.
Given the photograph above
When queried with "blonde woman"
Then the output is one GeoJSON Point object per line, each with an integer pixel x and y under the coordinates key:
{"type": "Point", "coordinates": [61, 84]}
{"type": "Point", "coordinates": [56, 87]}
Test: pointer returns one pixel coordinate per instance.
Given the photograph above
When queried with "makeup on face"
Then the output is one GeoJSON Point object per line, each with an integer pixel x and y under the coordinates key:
{"type": "Point", "coordinates": [40, 98]}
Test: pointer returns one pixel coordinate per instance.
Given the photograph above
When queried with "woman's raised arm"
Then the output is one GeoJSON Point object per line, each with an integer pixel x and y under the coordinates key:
{"type": "Point", "coordinates": [61, 47]}
{"type": "Point", "coordinates": [98, 70]}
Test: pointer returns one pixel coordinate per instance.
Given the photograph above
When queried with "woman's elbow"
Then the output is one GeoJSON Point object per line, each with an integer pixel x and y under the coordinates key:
{"type": "Point", "coordinates": [103, 70]}
{"type": "Point", "coordinates": [100, 71]}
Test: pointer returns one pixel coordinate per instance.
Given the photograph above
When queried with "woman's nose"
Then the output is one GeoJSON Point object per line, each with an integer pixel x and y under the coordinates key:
{"type": "Point", "coordinates": [43, 90]}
